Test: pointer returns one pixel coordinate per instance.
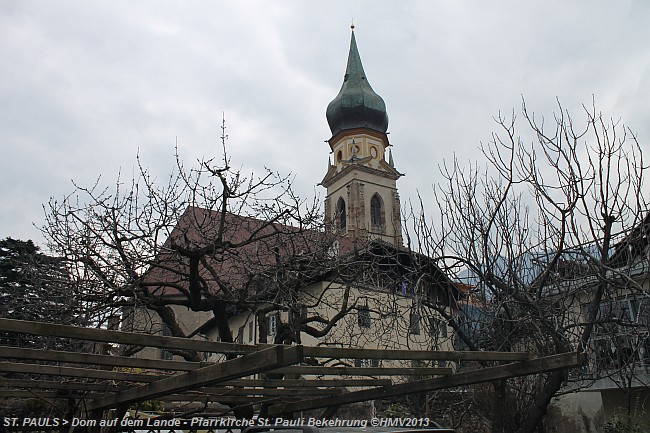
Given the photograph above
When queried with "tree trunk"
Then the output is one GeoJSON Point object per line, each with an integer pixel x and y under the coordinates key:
{"type": "Point", "coordinates": [225, 335]}
{"type": "Point", "coordinates": [498, 413]}
{"type": "Point", "coordinates": [538, 411]}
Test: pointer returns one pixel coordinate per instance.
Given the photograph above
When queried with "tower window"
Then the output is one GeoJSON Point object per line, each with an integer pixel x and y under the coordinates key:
{"type": "Point", "coordinates": [339, 156]}
{"type": "Point", "coordinates": [340, 213]}
{"type": "Point", "coordinates": [376, 211]}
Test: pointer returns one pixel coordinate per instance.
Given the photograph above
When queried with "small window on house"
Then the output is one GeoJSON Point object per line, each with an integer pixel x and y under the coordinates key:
{"type": "Point", "coordinates": [363, 316]}
{"type": "Point", "coordinates": [251, 334]}
{"type": "Point", "coordinates": [646, 350]}
{"type": "Point", "coordinates": [272, 324]}
{"type": "Point", "coordinates": [434, 327]}
{"type": "Point", "coordinates": [340, 214]}
{"type": "Point", "coordinates": [414, 324]}
{"type": "Point", "coordinates": [376, 211]}
{"type": "Point", "coordinates": [443, 329]}
{"type": "Point", "coordinates": [362, 363]}
{"type": "Point", "coordinates": [437, 328]}
{"type": "Point", "coordinates": [612, 343]}
{"type": "Point", "coordinates": [612, 314]}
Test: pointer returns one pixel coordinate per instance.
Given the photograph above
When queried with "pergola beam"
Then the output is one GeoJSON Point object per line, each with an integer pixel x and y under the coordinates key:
{"type": "Point", "coordinates": [308, 383]}
{"type": "Point", "coordinates": [413, 355]}
{"type": "Point", "coordinates": [94, 359]}
{"type": "Point", "coordinates": [53, 395]}
{"type": "Point", "coordinates": [63, 394]}
{"type": "Point", "coordinates": [108, 387]}
{"type": "Point", "coordinates": [364, 371]}
{"type": "Point", "coordinates": [89, 373]}
{"type": "Point", "coordinates": [106, 336]}
{"type": "Point", "coordinates": [58, 385]}
{"type": "Point", "coordinates": [271, 392]}
{"type": "Point", "coordinates": [254, 386]}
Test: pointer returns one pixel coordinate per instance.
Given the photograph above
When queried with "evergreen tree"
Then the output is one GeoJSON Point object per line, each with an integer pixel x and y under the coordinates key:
{"type": "Point", "coordinates": [37, 287]}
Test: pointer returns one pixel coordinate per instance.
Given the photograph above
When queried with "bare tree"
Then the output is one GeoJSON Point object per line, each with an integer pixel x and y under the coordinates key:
{"type": "Point", "coordinates": [215, 243]}
{"type": "Point", "coordinates": [541, 236]}
{"type": "Point", "coordinates": [143, 242]}
{"type": "Point", "coordinates": [209, 240]}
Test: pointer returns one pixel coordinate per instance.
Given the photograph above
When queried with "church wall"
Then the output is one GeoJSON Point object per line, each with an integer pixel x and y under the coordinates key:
{"type": "Point", "coordinates": [389, 332]}
{"type": "Point", "coordinates": [389, 321]}
{"type": "Point", "coordinates": [142, 320]}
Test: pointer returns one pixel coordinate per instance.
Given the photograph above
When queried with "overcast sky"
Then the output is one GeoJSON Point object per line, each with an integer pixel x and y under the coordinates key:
{"type": "Point", "coordinates": [86, 85]}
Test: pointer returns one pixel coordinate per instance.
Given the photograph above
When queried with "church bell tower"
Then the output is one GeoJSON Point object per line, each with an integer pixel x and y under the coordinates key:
{"type": "Point", "coordinates": [362, 199]}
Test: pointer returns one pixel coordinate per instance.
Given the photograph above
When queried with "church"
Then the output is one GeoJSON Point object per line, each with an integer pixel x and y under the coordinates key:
{"type": "Point", "coordinates": [350, 284]}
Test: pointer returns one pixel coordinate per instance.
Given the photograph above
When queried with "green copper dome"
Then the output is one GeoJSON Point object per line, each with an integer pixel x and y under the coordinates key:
{"type": "Point", "coordinates": [356, 105]}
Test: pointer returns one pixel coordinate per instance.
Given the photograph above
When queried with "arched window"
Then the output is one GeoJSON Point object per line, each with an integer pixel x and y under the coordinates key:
{"type": "Point", "coordinates": [339, 156]}
{"type": "Point", "coordinates": [376, 211]}
{"type": "Point", "coordinates": [340, 213]}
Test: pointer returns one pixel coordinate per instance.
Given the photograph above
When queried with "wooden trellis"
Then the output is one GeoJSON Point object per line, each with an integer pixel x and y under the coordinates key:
{"type": "Point", "coordinates": [105, 382]}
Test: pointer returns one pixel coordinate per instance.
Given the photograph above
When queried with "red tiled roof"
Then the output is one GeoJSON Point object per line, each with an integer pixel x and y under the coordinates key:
{"type": "Point", "coordinates": [236, 248]}
{"type": "Point", "coordinates": [242, 254]}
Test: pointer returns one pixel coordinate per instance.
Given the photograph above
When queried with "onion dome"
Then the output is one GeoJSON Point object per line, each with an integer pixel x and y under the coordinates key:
{"type": "Point", "coordinates": [356, 105]}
